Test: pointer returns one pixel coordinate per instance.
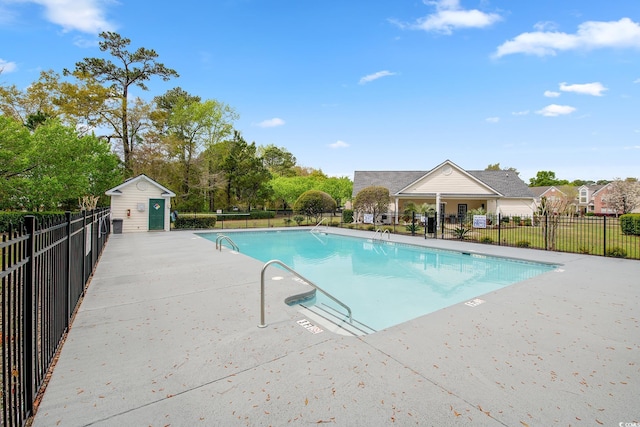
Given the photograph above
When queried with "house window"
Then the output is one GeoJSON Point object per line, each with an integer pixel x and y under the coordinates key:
{"type": "Point", "coordinates": [583, 196]}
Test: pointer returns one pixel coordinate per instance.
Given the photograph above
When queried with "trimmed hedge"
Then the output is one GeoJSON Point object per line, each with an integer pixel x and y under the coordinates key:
{"type": "Point", "coordinates": [8, 219]}
{"type": "Point", "coordinates": [630, 224]}
{"type": "Point", "coordinates": [347, 216]}
{"type": "Point", "coordinates": [195, 223]}
{"type": "Point", "coordinates": [252, 215]}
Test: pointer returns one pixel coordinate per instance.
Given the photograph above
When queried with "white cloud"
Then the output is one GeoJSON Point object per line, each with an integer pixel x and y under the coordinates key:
{"type": "Point", "coordinates": [590, 35]}
{"type": "Point", "coordinates": [545, 26]}
{"type": "Point", "coordinates": [520, 113]}
{"type": "Point", "coordinates": [492, 119]}
{"type": "Point", "coordinates": [339, 144]}
{"type": "Point", "coordinates": [271, 123]}
{"type": "Point", "coordinates": [450, 16]}
{"type": "Point", "coordinates": [555, 110]}
{"type": "Point", "coordinates": [551, 94]}
{"type": "Point", "coordinates": [7, 66]}
{"type": "Point", "coordinates": [594, 89]}
{"type": "Point", "coordinates": [375, 76]}
{"type": "Point", "coordinates": [87, 16]}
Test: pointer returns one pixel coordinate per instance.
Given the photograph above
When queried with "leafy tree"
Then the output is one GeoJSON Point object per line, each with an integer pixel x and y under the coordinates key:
{"type": "Point", "coordinates": [286, 190]}
{"type": "Point", "coordinates": [278, 160]}
{"type": "Point", "coordinates": [14, 147]}
{"type": "Point", "coordinates": [373, 199]}
{"type": "Point", "coordinates": [552, 209]}
{"type": "Point", "coordinates": [187, 127]}
{"type": "Point", "coordinates": [581, 182]}
{"type": "Point", "coordinates": [244, 175]}
{"type": "Point", "coordinates": [62, 167]}
{"type": "Point", "coordinates": [339, 188]}
{"type": "Point", "coordinates": [36, 100]}
{"type": "Point", "coordinates": [623, 196]}
{"type": "Point", "coordinates": [545, 179]}
{"type": "Point", "coordinates": [496, 167]}
{"type": "Point", "coordinates": [314, 203]}
{"type": "Point", "coordinates": [133, 69]}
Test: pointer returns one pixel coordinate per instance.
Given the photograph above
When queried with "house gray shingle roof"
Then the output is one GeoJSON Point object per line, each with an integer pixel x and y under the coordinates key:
{"type": "Point", "coordinates": [506, 183]}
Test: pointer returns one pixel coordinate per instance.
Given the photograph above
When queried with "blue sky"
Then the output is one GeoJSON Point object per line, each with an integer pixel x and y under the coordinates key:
{"type": "Point", "coordinates": [380, 85]}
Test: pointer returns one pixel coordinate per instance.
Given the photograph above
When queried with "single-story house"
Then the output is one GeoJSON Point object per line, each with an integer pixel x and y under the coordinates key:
{"type": "Point", "coordinates": [140, 204]}
{"type": "Point", "coordinates": [453, 190]}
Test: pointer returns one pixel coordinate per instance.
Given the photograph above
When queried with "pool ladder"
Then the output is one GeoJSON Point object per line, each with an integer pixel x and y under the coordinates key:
{"type": "Point", "coordinates": [307, 281]}
{"type": "Point", "coordinates": [221, 238]}
{"type": "Point", "coordinates": [382, 233]}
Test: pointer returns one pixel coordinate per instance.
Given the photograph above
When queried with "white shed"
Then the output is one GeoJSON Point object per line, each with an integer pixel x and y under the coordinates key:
{"type": "Point", "coordinates": [140, 204]}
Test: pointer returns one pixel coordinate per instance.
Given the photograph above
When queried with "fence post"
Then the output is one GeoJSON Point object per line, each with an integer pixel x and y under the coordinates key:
{"type": "Point", "coordinates": [546, 231]}
{"type": "Point", "coordinates": [604, 235]}
{"type": "Point", "coordinates": [67, 215]}
{"type": "Point", "coordinates": [499, 228]}
{"type": "Point", "coordinates": [84, 247]}
{"type": "Point", "coordinates": [28, 307]}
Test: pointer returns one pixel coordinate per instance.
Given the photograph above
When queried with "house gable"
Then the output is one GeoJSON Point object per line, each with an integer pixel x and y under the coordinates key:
{"type": "Point", "coordinates": [142, 181]}
{"type": "Point", "coordinates": [448, 178]}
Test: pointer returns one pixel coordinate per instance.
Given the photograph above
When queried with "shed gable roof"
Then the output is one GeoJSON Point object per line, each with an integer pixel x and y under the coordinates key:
{"type": "Point", "coordinates": [117, 191]}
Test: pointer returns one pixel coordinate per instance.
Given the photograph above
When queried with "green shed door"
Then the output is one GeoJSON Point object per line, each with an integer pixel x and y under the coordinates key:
{"type": "Point", "coordinates": [156, 214]}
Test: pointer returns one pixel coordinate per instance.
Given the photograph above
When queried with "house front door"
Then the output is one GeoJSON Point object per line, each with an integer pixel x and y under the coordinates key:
{"type": "Point", "coordinates": [156, 214]}
{"type": "Point", "coordinates": [462, 212]}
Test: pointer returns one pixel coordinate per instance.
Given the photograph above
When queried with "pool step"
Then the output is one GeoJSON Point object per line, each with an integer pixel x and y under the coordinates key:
{"type": "Point", "coordinates": [335, 321]}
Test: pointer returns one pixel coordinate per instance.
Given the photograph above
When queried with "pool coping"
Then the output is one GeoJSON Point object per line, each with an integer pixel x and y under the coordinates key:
{"type": "Point", "coordinates": [167, 334]}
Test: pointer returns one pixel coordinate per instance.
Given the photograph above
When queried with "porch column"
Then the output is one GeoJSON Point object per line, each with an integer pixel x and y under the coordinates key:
{"type": "Point", "coordinates": [437, 213]}
{"type": "Point", "coordinates": [396, 209]}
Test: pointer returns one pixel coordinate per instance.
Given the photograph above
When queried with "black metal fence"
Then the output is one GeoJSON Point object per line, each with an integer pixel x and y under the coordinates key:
{"type": "Point", "coordinates": [45, 268]}
{"type": "Point", "coordinates": [595, 235]}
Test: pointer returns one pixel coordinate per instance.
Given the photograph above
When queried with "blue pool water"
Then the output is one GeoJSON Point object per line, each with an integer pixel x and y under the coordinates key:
{"type": "Point", "coordinates": [385, 283]}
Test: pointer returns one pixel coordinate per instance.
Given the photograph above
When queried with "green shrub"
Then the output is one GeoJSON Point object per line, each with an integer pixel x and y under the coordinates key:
{"type": "Point", "coordinates": [486, 239]}
{"type": "Point", "coordinates": [371, 228]}
{"type": "Point", "coordinates": [523, 244]}
{"type": "Point", "coordinates": [195, 222]}
{"type": "Point", "coordinates": [347, 216]}
{"type": "Point", "coordinates": [8, 219]}
{"type": "Point", "coordinates": [313, 203]}
{"type": "Point", "coordinates": [630, 224]}
{"type": "Point", "coordinates": [527, 222]}
{"type": "Point", "coordinates": [516, 220]}
{"type": "Point", "coordinates": [584, 250]}
{"type": "Point", "coordinates": [616, 252]}
{"type": "Point", "coordinates": [412, 228]}
{"type": "Point", "coordinates": [505, 220]}
{"type": "Point", "coordinates": [298, 219]}
{"type": "Point", "coordinates": [257, 214]}
{"type": "Point", "coordinates": [461, 232]}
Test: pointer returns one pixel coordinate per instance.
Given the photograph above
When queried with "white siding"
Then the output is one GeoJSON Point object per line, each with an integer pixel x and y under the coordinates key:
{"type": "Point", "coordinates": [448, 180]}
{"type": "Point", "coordinates": [518, 207]}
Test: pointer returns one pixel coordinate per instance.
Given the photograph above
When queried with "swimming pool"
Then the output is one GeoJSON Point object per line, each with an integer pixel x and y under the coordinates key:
{"type": "Point", "coordinates": [384, 282]}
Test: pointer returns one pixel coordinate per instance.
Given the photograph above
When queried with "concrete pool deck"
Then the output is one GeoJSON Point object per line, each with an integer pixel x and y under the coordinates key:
{"type": "Point", "coordinates": [167, 335]}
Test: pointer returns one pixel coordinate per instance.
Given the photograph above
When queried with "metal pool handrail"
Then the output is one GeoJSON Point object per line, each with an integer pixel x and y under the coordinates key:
{"type": "Point", "coordinates": [317, 225]}
{"type": "Point", "coordinates": [289, 269]}
{"type": "Point", "coordinates": [382, 232]}
{"type": "Point", "coordinates": [222, 237]}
